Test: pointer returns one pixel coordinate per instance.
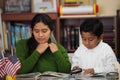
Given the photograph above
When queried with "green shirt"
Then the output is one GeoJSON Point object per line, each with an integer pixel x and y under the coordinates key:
{"type": "Point", "coordinates": [48, 61]}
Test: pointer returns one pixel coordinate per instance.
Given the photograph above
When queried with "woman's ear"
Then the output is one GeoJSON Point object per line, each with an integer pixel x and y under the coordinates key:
{"type": "Point", "coordinates": [52, 37]}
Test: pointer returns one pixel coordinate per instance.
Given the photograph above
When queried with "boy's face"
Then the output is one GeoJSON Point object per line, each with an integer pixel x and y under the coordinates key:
{"type": "Point", "coordinates": [90, 40]}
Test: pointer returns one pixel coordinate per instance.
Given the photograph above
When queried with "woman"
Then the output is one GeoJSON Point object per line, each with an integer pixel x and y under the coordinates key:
{"type": "Point", "coordinates": [39, 53]}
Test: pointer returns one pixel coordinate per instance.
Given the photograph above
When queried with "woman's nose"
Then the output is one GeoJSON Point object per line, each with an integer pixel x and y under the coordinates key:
{"type": "Point", "coordinates": [40, 34]}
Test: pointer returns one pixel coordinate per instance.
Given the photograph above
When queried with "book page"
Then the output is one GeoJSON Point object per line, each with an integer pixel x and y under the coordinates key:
{"type": "Point", "coordinates": [46, 75]}
{"type": "Point", "coordinates": [55, 74]}
{"type": "Point", "coordinates": [29, 76]}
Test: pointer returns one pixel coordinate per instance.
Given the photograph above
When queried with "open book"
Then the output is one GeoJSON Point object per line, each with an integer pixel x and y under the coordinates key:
{"type": "Point", "coordinates": [38, 76]}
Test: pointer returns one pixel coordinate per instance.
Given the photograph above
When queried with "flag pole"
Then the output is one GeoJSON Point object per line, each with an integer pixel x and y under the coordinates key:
{"type": "Point", "coordinates": [11, 50]}
{"type": "Point", "coordinates": [2, 52]}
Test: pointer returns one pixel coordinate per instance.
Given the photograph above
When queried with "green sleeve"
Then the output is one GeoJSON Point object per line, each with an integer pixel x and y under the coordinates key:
{"type": "Point", "coordinates": [28, 63]}
{"type": "Point", "coordinates": [62, 60]}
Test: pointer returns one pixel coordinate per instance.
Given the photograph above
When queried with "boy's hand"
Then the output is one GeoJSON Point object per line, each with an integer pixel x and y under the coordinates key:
{"type": "Point", "coordinates": [75, 67]}
{"type": "Point", "coordinates": [88, 71]}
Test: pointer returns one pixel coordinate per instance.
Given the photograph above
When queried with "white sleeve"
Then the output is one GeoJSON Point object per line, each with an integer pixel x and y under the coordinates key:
{"type": "Point", "coordinates": [76, 58]}
{"type": "Point", "coordinates": [109, 62]}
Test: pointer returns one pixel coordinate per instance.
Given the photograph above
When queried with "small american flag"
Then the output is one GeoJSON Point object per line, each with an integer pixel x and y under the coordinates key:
{"type": "Point", "coordinates": [12, 66]}
{"type": "Point", "coordinates": [3, 60]}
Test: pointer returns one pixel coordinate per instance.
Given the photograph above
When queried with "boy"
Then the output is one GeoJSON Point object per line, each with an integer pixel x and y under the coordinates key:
{"type": "Point", "coordinates": [93, 55]}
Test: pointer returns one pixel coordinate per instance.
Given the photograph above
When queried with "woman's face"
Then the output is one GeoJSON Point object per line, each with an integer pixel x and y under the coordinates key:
{"type": "Point", "coordinates": [89, 40]}
{"type": "Point", "coordinates": [41, 32]}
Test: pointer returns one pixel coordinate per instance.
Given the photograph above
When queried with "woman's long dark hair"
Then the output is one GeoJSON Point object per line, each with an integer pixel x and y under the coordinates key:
{"type": "Point", "coordinates": [44, 18]}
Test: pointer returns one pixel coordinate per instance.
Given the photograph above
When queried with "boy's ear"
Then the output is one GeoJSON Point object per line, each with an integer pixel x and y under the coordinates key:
{"type": "Point", "coordinates": [101, 36]}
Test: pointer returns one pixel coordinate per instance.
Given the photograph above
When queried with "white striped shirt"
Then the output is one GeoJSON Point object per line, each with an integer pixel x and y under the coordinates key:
{"type": "Point", "coordinates": [101, 58]}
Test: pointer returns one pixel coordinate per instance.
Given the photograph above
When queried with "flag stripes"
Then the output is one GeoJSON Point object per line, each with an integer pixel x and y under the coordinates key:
{"type": "Point", "coordinates": [2, 72]}
{"type": "Point", "coordinates": [9, 65]}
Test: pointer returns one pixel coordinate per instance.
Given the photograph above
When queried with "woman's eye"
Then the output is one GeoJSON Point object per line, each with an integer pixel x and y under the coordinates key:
{"type": "Point", "coordinates": [44, 30]}
{"type": "Point", "coordinates": [37, 31]}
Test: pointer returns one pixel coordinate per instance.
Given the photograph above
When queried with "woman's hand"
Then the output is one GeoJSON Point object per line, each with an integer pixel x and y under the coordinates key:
{"type": "Point", "coordinates": [53, 47]}
{"type": "Point", "coordinates": [42, 47]}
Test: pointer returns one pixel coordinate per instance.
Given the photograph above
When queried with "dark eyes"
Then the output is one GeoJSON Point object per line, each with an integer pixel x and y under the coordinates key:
{"type": "Point", "coordinates": [43, 30]}
{"type": "Point", "coordinates": [90, 39]}
{"type": "Point", "coordinates": [36, 30]}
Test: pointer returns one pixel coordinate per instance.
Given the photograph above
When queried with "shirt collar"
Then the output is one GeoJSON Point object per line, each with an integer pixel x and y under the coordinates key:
{"type": "Point", "coordinates": [94, 49]}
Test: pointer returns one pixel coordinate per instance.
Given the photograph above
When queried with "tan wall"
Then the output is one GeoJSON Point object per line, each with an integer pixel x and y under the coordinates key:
{"type": "Point", "coordinates": [1, 4]}
{"type": "Point", "coordinates": [108, 7]}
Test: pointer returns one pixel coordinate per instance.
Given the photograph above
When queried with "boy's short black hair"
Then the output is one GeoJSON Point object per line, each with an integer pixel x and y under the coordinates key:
{"type": "Point", "coordinates": [92, 25]}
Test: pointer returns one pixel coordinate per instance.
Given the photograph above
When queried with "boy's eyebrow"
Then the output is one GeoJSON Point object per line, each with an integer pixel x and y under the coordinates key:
{"type": "Point", "coordinates": [89, 37]}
